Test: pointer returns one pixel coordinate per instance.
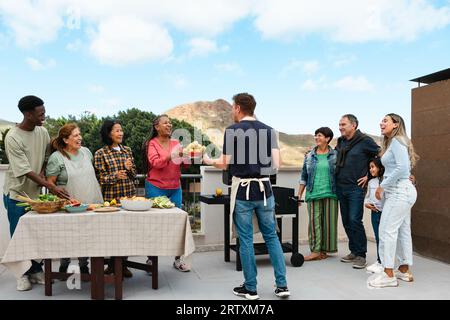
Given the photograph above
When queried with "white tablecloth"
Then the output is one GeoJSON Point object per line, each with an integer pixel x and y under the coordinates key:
{"type": "Point", "coordinates": [157, 232]}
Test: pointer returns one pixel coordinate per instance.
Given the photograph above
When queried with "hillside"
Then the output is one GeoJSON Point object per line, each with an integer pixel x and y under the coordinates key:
{"type": "Point", "coordinates": [212, 117]}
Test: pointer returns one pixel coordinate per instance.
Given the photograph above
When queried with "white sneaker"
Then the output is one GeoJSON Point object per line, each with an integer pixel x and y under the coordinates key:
{"type": "Point", "coordinates": [375, 268]}
{"type": "Point", "coordinates": [407, 276]}
{"type": "Point", "coordinates": [180, 265]}
{"type": "Point", "coordinates": [37, 278]}
{"type": "Point", "coordinates": [382, 280]}
{"type": "Point", "coordinates": [23, 284]}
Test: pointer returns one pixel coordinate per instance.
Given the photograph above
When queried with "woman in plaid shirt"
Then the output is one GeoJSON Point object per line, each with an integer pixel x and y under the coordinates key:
{"type": "Point", "coordinates": [115, 166]}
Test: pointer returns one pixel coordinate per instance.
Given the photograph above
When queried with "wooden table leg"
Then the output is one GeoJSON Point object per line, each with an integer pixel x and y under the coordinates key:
{"type": "Point", "coordinates": [48, 276]}
{"type": "Point", "coordinates": [118, 278]}
{"type": "Point", "coordinates": [97, 278]}
{"type": "Point", "coordinates": [154, 272]}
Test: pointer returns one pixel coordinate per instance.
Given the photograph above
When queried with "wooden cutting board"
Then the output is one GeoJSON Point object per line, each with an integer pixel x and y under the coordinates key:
{"type": "Point", "coordinates": [107, 209]}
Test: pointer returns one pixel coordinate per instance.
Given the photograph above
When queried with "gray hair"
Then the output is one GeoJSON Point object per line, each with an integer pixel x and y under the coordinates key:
{"type": "Point", "coordinates": [352, 118]}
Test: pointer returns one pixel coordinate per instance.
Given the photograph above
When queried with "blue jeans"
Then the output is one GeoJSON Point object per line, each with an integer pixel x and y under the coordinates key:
{"type": "Point", "coordinates": [376, 218]}
{"type": "Point", "coordinates": [14, 214]}
{"type": "Point", "coordinates": [351, 202]}
{"type": "Point", "coordinates": [243, 214]}
{"type": "Point", "coordinates": [175, 195]}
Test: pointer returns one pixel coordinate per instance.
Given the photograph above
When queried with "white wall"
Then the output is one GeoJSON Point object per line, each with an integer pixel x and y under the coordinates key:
{"type": "Point", "coordinates": [4, 224]}
{"type": "Point", "coordinates": [212, 215]}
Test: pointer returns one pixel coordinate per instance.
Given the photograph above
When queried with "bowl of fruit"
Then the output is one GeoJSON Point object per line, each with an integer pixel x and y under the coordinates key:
{"type": "Point", "coordinates": [194, 150]}
{"type": "Point", "coordinates": [76, 207]}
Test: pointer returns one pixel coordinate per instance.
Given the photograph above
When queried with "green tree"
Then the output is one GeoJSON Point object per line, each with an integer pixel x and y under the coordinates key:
{"type": "Point", "coordinates": [136, 125]}
{"type": "Point", "coordinates": [3, 157]}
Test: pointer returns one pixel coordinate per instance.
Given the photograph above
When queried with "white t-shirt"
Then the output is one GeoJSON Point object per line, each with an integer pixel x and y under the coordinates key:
{"type": "Point", "coordinates": [372, 186]}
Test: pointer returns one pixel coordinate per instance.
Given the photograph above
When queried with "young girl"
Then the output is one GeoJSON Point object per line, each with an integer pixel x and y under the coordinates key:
{"type": "Point", "coordinates": [376, 171]}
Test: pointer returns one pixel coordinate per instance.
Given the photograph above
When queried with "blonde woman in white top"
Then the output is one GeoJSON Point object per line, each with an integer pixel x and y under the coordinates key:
{"type": "Point", "coordinates": [398, 158]}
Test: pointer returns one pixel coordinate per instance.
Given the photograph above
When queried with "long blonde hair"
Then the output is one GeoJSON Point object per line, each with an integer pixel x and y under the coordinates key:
{"type": "Point", "coordinates": [400, 134]}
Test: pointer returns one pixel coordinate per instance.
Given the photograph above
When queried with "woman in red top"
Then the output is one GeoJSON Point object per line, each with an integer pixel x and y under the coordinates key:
{"type": "Point", "coordinates": [163, 162]}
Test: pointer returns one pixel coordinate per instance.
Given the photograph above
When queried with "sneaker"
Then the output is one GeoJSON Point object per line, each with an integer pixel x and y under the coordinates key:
{"type": "Point", "coordinates": [359, 263]}
{"type": "Point", "coordinates": [348, 258]}
{"type": "Point", "coordinates": [180, 265]}
{"type": "Point", "coordinates": [375, 268]}
{"type": "Point", "coordinates": [108, 270]}
{"type": "Point", "coordinates": [37, 278]}
{"type": "Point", "coordinates": [126, 273]}
{"type": "Point", "coordinates": [383, 280]}
{"type": "Point", "coordinates": [247, 294]}
{"type": "Point", "coordinates": [282, 292]}
{"type": "Point", "coordinates": [23, 284]}
{"type": "Point", "coordinates": [404, 276]}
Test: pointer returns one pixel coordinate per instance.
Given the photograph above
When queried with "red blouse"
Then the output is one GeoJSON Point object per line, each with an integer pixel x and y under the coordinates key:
{"type": "Point", "coordinates": [163, 173]}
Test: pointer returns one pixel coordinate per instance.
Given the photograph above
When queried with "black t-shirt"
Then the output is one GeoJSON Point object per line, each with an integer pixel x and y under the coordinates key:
{"type": "Point", "coordinates": [250, 144]}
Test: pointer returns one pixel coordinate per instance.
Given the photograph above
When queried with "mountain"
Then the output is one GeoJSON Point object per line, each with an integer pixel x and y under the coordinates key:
{"type": "Point", "coordinates": [212, 117]}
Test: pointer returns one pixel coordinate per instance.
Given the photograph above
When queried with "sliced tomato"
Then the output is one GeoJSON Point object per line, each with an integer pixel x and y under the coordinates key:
{"type": "Point", "coordinates": [75, 203]}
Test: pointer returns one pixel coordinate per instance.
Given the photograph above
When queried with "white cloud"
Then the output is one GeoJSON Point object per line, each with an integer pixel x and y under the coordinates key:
{"type": "Point", "coordinates": [32, 22]}
{"type": "Point", "coordinates": [137, 30]}
{"type": "Point", "coordinates": [350, 83]}
{"type": "Point", "coordinates": [350, 20]}
{"type": "Point", "coordinates": [229, 67]}
{"type": "Point", "coordinates": [37, 65]}
{"type": "Point", "coordinates": [35, 22]}
{"type": "Point", "coordinates": [121, 40]}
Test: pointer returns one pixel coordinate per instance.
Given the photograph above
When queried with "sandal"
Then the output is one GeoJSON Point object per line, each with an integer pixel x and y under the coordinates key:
{"type": "Point", "coordinates": [323, 255]}
{"type": "Point", "coordinates": [180, 265]}
{"type": "Point", "coordinates": [313, 257]}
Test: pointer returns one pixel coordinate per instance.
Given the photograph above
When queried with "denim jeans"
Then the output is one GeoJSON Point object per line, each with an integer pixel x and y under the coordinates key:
{"type": "Point", "coordinates": [351, 202]}
{"type": "Point", "coordinates": [14, 214]}
{"type": "Point", "coordinates": [376, 217]}
{"type": "Point", "coordinates": [243, 214]}
{"type": "Point", "coordinates": [395, 224]}
{"type": "Point", "coordinates": [175, 195]}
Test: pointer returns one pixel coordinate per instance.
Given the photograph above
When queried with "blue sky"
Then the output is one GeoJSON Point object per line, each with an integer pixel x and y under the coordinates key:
{"type": "Point", "coordinates": [306, 62]}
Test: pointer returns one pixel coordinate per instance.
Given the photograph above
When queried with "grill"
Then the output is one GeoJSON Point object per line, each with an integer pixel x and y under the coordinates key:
{"type": "Point", "coordinates": [286, 206]}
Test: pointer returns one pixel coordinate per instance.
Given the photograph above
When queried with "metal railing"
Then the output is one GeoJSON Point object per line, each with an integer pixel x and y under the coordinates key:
{"type": "Point", "coordinates": [190, 184]}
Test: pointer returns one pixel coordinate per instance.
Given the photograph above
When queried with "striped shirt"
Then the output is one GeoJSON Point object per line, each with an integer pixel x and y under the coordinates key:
{"type": "Point", "coordinates": [108, 162]}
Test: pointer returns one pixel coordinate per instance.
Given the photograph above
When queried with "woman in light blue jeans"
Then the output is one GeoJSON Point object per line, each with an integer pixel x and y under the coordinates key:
{"type": "Point", "coordinates": [398, 158]}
